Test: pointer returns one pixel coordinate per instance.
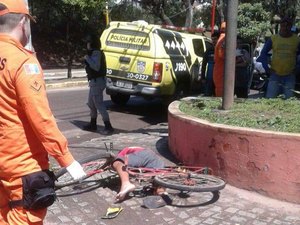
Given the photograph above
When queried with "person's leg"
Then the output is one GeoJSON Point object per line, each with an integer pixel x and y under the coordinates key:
{"type": "Point", "coordinates": [158, 190]}
{"type": "Point", "coordinates": [245, 92]}
{"type": "Point", "coordinates": [273, 86]}
{"type": "Point", "coordinates": [209, 85]}
{"type": "Point", "coordinates": [218, 91]}
{"type": "Point", "coordinates": [92, 126]}
{"type": "Point", "coordinates": [99, 103]}
{"type": "Point", "coordinates": [236, 92]}
{"type": "Point", "coordinates": [242, 92]}
{"type": "Point", "coordinates": [4, 208]}
{"type": "Point", "coordinates": [126, 185]}
{"type": "Point", "coordinates": [289, 83]}
{"type": "Point", "coordinates": [241, 82]}
{"type": "Point", "coordinates": [148, 159]}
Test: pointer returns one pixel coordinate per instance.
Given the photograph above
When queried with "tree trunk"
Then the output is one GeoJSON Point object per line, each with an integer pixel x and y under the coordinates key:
{"type": "Point", "coordinates": [189, 13]}
{"type": "Point", "coordinates": [70, 58]}
{"type": "Point", "coordinates": [165, 18]}
{"type": "Point", "coordinates": [160, 11]}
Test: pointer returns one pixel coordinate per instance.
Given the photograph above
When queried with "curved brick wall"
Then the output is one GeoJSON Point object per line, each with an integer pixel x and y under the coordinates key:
{"type": "Point", "coordinates": [261, 161]}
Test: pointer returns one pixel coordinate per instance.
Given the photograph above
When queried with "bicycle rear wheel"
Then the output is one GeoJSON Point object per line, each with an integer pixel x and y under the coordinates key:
{"type": "Point", "coordinates": [192, 182]}
{"type": "Point", "coordinates": [93, 166]}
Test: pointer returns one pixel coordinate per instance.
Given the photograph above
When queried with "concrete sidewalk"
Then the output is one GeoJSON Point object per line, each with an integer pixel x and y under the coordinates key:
{"type": "Point", "coordinates": [233, 207]}
{"type": "Point", "coordinates": [62, 73]}
{"type": "Point", "coordinates": [64, 83]}
{"type": "Point", "coordinates": [58, 78]}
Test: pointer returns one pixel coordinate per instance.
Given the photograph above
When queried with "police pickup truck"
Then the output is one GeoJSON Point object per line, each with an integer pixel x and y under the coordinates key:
{"type": "Point", "coordinates": [151, 61]}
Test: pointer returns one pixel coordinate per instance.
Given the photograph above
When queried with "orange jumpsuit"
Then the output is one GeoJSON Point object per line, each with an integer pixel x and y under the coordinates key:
{"type": "Point", "coordinates": [219, 58]}
{"type": "Point", "coordinates": [28, 130]}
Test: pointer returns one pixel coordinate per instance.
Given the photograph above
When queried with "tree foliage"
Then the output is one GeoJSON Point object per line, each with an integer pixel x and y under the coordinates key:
{"type": "Point", "coordinates": [133, 12]}
{"type": "Point", "coordinates": [253, 21]}
{"type": "Point", "coordinates": [63, 24]}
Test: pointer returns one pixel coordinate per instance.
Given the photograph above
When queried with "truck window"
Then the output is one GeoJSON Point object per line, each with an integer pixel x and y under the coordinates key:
{"type": "Point", "coordinates": [198, 47]}
{"type": "Point", "coordinates": [209, 45]}
{"type": "Point", "coordinates": [129, 39]}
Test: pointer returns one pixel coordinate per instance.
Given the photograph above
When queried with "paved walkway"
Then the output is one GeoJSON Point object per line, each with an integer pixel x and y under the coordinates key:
{"type": "Point", "coordinates": [233, 207]}
{"type": "Point", "coordinates": [58, 78]}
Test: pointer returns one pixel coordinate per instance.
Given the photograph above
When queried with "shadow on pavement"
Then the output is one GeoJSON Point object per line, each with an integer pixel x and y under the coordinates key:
{"type": "Point", "coordinates": [152, 112]}
{"type": "Point", "coordinates": [194, 199]}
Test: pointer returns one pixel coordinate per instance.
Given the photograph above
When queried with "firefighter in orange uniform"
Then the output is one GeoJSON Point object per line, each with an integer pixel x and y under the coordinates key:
{"type": "Point", "coordinates": [28, 131]}
{"type": "Point", "coordinates": [219, 58]}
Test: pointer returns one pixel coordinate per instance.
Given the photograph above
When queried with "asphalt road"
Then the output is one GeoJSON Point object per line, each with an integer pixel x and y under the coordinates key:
{"type": "Point", "coordinates": [71, 113]}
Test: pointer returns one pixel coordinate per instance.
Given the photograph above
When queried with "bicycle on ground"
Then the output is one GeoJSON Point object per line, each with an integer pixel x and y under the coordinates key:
{"type": "Point", "coordinates": [100, 172]}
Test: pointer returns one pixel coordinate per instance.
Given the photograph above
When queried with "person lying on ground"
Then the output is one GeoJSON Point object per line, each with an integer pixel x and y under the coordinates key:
{"type": "Point", "coordinates": [134, 157]}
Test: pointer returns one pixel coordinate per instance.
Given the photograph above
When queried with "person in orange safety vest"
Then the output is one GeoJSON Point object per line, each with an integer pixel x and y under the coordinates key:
{"type": "Point", "coordinates": [28, 130]}
{"type": "Point", "coordinates": [219, 58]}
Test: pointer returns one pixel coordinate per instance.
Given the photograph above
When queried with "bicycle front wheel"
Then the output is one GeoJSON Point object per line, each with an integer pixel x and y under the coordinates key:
{"type": "Point", "coordinates": [93, 166]}
{"type": "Point", "coordinates": [192, 182]}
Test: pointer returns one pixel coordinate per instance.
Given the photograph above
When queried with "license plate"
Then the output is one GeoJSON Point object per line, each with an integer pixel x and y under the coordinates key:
{"type": "Point", "coordinates": [124, 84]}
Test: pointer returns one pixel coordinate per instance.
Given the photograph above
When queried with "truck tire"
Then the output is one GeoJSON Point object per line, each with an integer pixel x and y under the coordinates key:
{"type": "Point", "coordinates": [119, 99]}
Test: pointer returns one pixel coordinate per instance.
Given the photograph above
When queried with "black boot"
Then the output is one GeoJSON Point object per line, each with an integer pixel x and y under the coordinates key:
{"type": "Point", "coordinates": [108, 129]}
{"type": "Point", "coordinates": [92, 126]}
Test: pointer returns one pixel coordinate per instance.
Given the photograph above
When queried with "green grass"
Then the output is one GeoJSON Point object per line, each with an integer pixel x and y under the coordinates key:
{"type": "Point", "coordinates": [267, 114]}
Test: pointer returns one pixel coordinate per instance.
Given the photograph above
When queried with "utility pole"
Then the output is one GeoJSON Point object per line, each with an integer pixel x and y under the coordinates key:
{"type": "Point", "coordinates": [106, 13]}
{"type": "Point", "coordinates": [230, 48]}
{"type": "Point", "coordinates": [213, 16]}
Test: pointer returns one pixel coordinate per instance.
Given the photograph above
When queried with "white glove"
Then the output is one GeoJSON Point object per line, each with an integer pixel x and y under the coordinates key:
{"type": "Point", "coordinates": [76, 170]}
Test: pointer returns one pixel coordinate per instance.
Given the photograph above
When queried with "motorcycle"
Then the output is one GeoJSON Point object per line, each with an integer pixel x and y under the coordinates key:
{"type": "Point", "coordinates": [260, 78]}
